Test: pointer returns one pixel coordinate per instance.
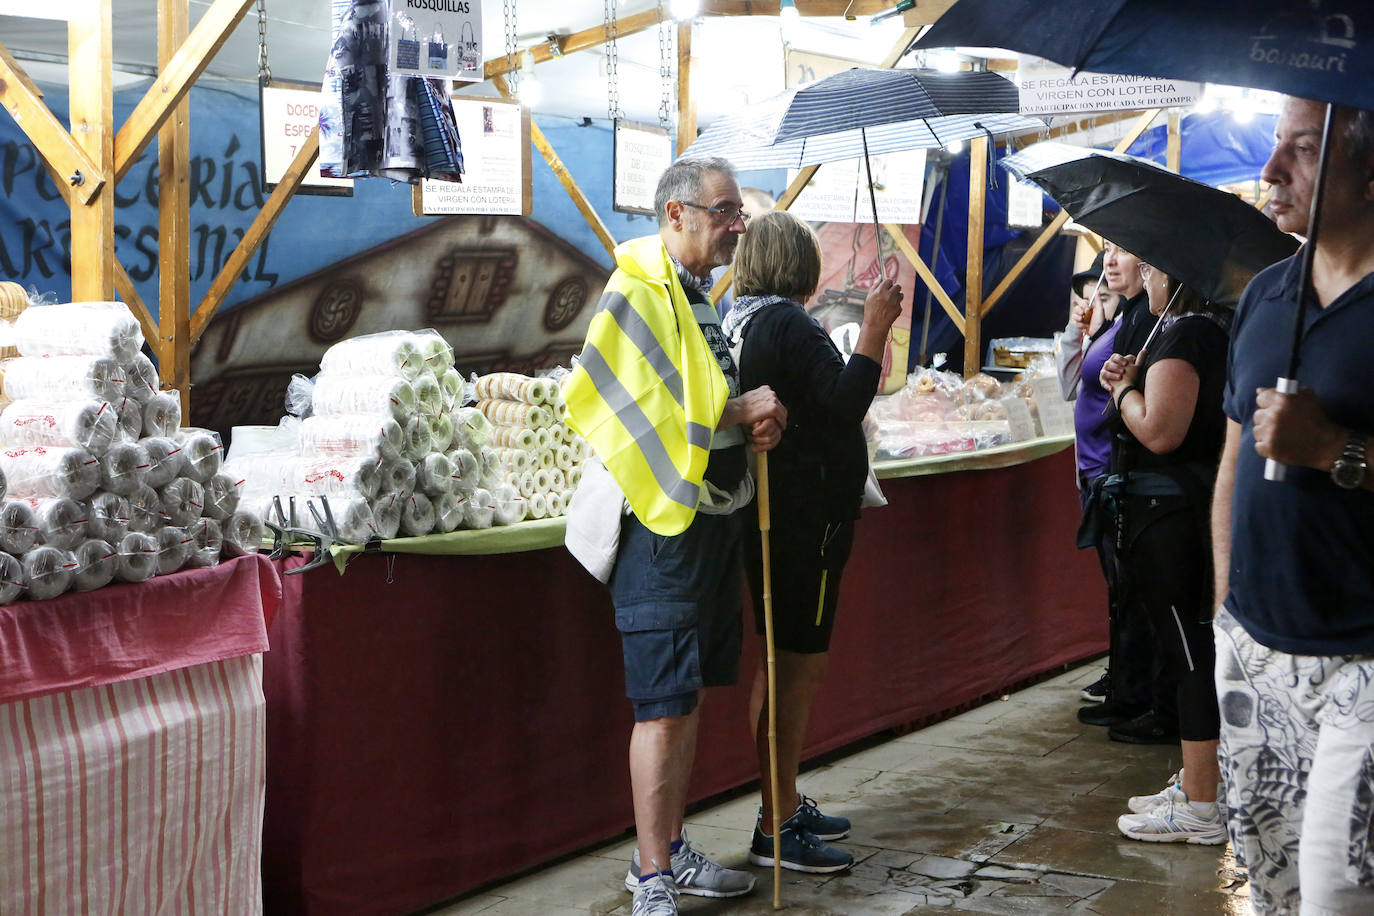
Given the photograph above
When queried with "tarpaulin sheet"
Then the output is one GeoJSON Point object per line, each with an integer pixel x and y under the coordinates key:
{"type": "Point", "coordinates": [437, 723]}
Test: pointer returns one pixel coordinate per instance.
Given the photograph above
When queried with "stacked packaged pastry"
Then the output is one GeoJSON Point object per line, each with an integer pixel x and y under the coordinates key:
{"type": "Point", "coordinates": [539, 456]}
{"type": "Point", "coordinates": [385, 446]}
{"type": "Point", "coordinates": [100, 481]}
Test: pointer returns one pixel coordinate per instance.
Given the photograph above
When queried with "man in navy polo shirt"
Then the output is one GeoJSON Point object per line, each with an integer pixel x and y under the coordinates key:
{"type": "Point", "coordinates": [1295, 559]}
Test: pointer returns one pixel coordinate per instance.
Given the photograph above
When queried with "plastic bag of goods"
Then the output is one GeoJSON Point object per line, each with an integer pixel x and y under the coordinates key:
{"type": "Point", "coordinates": [165, 460]}
{"type": "Point", "coordinates": [387, 353]}
{"type": "Point", "coordinates": [61, 522]}
{"type": "Point", "coordinates": [207, 544]}
{"type": "Point", "coordinates": [145, 510]}
{"type": "Point", "coordinates": [18, 527]}
{"type": "Point", "coordinates": [372, 395]}
{"type": "Point", "coordinates": [83, 328]}
{"type": "Point", "coordinates": [40, 470]}
{"type": "Point", "coordinates": [352, 434]}
{"type": "Point", "coordinates": [63, 378]}
{"type": "Point", "coordinates": [202, 453]}
{"type": "Point", "coordinates": [12, 581]}
{"type": "Point", "coordinates": [161, 413]}
{"type": "Point", "coordinates": [49, 572]}
{"type": "Point", "coordinates": [335, 475]}
{"type": "Point", "coordinates": [124, 468]}
{"type": "Point", "coordinates": [140, 379]}
{"type": "Point", "coordinates": [96, 564]}
{"type": "Point", "coordinates": [107, 517]}
{"type": "Point", "coordinates": [89, 424]}
{"type": "Point", "coordinates": [222, 495]}
{"type": "Point", "coordinates": [138, 557]}
{"type": "Point", "coordinates": [183, 502]}
{"type": "Point", "coordinates": [242, 533]}
{"type": "Point", "coordinates": [174, 546]}
{"type": "Point", "coordinates": [434, 350]}
{"type": "Point", "coordinates": [417, 515]}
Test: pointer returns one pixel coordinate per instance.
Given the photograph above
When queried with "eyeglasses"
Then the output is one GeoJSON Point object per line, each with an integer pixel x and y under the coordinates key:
{"type": "Point", "coordinates": [725, 216]}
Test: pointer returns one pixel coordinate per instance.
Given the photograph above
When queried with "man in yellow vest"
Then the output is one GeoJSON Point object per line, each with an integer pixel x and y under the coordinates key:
{"type": "Point", "coordinates": [656, 395]}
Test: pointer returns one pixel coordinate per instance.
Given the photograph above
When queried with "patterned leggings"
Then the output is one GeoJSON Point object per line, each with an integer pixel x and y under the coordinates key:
{"type": "Point", "coordinates": [1297, 762]}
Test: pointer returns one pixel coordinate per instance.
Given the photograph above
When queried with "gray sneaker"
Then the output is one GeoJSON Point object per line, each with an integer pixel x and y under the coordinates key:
{"type": "Point", "coordinates": [655, 897]}
{"type": "Point", "coordinates": [697, 875]}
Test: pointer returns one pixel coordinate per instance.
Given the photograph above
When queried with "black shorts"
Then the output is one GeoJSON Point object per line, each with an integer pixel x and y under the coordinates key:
{"type": "Point", "coordinates": [808, 560]}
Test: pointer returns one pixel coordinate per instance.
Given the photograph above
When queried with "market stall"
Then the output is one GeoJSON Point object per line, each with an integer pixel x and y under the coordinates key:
{"type": "Point", "coordinates": [131, 744]}
{"type": "Point", "coordinates": [438, 722]}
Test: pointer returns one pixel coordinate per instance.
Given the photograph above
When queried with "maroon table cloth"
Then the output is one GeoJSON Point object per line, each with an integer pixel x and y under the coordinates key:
{"type": "Point", "coordinates": [437, 723]}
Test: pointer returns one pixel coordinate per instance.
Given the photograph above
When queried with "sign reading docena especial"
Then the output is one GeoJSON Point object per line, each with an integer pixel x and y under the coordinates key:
{"type": "Point", "coordinates": [1049, 89]}
{"type": "Point", "coordinates": [436, 38]}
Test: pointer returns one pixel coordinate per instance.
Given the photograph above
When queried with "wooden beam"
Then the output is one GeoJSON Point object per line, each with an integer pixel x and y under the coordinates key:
{"type": "Point", "coordinates": [565, 178]}
{"type": "Point", "coordinates": [1083, 124]}
{"type": "Point", "coordinates": [927, 276]}
{"type": "Point", "coordinates": [174, 217]}
{"type": "Point", "coordinates": [577, 41]}
{"type": "Point", "coordinates": [973, 277]}
{"type": "Point", "coordinates": [23, 100]}
{"type": "Point", "coordinates": [1173, 155]}
{"type": "Point", "coordinates": [898, 48]}
{"type": "Point", "coordinates": [175, 79]}
{"type": "Point", "coordinates": [257, 232]}
{"type": "Point", "coordinates": [1058, 222]}
{"type": "Point", "coordinates": [686, 105]}
{"type": "Point", "coordinates": [124, 285]}
{"type": "Point", "coordinates": [90, 64]}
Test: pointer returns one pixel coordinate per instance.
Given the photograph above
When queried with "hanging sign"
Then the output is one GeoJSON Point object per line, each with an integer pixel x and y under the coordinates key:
{"type": "Point", "coordinates": [1049, 89]}
{"type": "Point", "coordinates": [1025, 205]}
{"type": "Point", "coordinates": [436, 38]}
{"type": "Point", "coordinates": [838, 192]}
{"type": "Point", "coordinates": [289, 112]}
{"type": "Point", "coordinates": [642, 153]}
{"type": "Point", "coordinates": [495, 135]}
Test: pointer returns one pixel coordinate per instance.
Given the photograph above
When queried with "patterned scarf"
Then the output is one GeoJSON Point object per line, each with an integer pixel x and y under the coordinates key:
{"type": "Point", "coordinates": [689, 281]}
{"type": "Point", "coordinates": [740, 313]}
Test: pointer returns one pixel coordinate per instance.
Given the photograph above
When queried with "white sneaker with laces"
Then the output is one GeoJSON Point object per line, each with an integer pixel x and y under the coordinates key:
{"type": "Point", "coordinates": [1176, 821]}
{"type": "Point", "coordinates": [696, 875]}
{"type": "Point", "coordinates": [655, 897]}
{"type": "Point", "coordinates": [1139, 804]}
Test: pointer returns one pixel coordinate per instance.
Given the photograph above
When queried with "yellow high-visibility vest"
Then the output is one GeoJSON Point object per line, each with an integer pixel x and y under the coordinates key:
{"type": "Point", "coordinates": [647, 391]}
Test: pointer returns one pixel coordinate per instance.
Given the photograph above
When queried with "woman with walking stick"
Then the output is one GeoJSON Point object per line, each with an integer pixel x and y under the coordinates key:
{"type": "Point", "coordinates": [817, 474]}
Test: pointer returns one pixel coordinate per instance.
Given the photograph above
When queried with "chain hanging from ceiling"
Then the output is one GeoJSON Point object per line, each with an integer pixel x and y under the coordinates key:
{"type": "Point", "coordinates": [612, 35]}
{"type": "Point", "coordinates": [264, 70]}
{"type": "Point", "coordinates": [665, 67]}
{"type": "Point", "coordinates": [512, 68]}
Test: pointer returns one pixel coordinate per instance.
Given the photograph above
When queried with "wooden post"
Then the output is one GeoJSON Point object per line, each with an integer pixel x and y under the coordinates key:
{"type": "Point", "coordinates": [927, 276]}
{"type": "Point", "coordinates": [565, 178]}
{"type": "Point", "coordinates": [686, 105]}
{"type": "Point", "coordinates": [1173, 155]}
{"type": "Point", "coordinates": [173, 219]}
{"type": "Point", "coordinates": [973, 278]}
{"type": "Point", "coordinates": [90, 54]}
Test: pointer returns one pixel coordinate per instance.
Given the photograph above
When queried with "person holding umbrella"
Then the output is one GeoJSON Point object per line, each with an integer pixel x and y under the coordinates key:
{"type": "Point", "coordinates": [1167, 402]}
{"type": "Point", "coordinates": [1132, 702]}
{"type": "Point", "coordinates": [1295, 559]}
{"type": "Point", "coordinates": [818, 472]}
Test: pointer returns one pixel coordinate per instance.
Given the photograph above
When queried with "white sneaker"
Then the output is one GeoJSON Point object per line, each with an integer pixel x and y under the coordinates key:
{"type": "Point", "coordinates": [655, 897]}
{"type": "Point", "coordinates": [1176, 821]}
{"type": "Point", "coordinates": [697, 875]}
{"type": "Point", "coordinates": [1139, 804]}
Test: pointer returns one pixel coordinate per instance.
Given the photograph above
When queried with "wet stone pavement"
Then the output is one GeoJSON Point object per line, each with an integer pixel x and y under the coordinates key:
{"type": "Point", "coordinates": [1005, 810]}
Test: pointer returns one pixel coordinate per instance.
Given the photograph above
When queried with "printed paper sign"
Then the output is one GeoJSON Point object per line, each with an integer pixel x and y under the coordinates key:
{"type": "Point", "coordinates": [1049, 89]}
{"type": "Point", "coordinates": [642, 153]}
{"type": "Point", "coordinates": [838, 192]}
{"type": "Point", "coordinates": [289, 114]}
{"type": "Point", "coordinates": [1025, 205]}
{"type": "Point", "coordinates": [437, 38]}
{"type": "Point", "coordinates": [496, 163]}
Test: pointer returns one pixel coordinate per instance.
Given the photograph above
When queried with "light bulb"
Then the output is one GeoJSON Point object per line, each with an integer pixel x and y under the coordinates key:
{"type": "Point", "coordinates": [530, 90]}
{"type": "Point", "coordinates": [789, 15]}
{"type": "Point", "coordinates": [955, 147]}
{"type": "Point", "coordinates": [946, 61]}
{"type": "Point", "coordinates": [683, 9]}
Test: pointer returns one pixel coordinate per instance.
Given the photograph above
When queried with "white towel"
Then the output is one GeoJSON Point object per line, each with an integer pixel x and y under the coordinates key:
{"type": "Point", "coordinates": [593, 535]}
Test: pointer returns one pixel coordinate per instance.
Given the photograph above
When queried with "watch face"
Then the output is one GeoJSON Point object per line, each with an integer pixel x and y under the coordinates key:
{"type": "Point", "coordinates": [1348, 474]}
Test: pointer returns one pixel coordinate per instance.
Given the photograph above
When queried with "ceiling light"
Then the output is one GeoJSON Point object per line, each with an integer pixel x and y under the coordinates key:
{"type": "Point", "coordinates": [683, 9]}
{"type": "Point", "coordinates": [530, 90]}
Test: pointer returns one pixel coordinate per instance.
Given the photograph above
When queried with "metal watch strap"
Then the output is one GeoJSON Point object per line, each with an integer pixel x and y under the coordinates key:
{"type": "Point", "coordinates": [1352, 467]}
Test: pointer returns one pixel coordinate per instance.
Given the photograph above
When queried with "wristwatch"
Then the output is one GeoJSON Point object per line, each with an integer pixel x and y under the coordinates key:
{"type": "Point", "coordinates": [1352, 467]}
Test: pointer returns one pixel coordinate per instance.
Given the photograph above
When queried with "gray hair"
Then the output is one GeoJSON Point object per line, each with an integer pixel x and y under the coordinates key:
{"type": "Point", "coordinates": [1359, 136]}
{"type": "Point", "coordinates": [682, 181]}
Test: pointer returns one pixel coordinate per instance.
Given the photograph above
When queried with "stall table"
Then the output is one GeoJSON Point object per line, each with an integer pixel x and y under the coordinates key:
{"type": "Point", "coordinates": [131, 745]}
{"type": "Point", "coordinates": [438, 722]}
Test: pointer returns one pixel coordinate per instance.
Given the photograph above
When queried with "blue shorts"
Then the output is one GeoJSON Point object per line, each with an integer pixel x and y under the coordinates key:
{"type": "Point", "coordinates": [677, 607]}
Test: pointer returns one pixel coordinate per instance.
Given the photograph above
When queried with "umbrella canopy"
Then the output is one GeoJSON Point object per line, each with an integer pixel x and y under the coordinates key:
{"type": "Point", "coordinates": [1204, 237]}
{"type": "Point", "coordinates": [1322, 49]}
{"type": "Point", "coordinates": [733, 138]}
{"type": "Point", "coordinates": [864, 97]}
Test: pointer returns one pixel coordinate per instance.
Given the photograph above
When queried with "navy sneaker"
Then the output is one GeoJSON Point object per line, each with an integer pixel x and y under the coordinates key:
{"type": "Point", "coordinates": [801, 850]}
{"type": "Point", "coordinates": [821, 826]}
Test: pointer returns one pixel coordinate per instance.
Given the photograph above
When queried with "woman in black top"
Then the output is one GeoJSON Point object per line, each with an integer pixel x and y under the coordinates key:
{"type": "Point", "coordinates": [817, 475]}
{"type": "Point", "coordinates": [1168, 402]}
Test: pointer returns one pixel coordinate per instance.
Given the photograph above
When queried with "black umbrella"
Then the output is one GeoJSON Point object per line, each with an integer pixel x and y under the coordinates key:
{"type": "Point", "coordinates": [1316, 49]}
{"type": "Point", "coordinates": [1201, 236]}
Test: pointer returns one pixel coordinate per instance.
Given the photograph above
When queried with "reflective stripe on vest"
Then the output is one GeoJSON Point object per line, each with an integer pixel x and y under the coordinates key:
{"type": "Point", "coordinates": [647, 391]}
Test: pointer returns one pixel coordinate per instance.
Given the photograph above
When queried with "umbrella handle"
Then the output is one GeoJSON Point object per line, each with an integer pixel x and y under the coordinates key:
{"type": "Point", "coordinates": [1273, 470]}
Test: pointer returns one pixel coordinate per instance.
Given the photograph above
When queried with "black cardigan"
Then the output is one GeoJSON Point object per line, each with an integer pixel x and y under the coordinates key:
{"type": "Point", "coordinates": [819, 468]}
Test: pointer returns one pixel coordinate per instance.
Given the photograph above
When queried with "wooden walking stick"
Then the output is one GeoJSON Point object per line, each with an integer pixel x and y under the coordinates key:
{"type": "Point", "coordinates": [765, 523]}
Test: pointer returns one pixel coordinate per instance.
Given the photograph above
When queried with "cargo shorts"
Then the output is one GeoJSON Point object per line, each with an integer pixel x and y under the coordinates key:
{"type": "Point", "coordinates": [677, 607]}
